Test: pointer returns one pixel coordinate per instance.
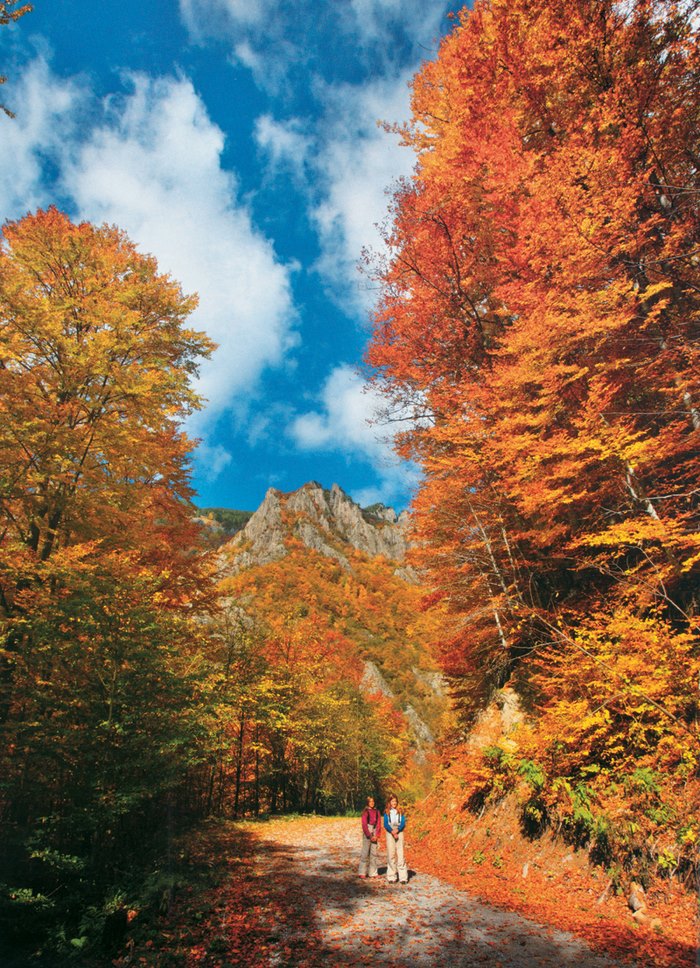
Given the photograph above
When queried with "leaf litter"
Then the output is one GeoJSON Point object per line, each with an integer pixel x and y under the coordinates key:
{"type": "Point", "coordinates": [286, 895]}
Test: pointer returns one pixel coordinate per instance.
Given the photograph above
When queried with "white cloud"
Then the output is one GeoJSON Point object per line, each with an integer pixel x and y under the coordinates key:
{"type": "Point", "coordinates": [208, 17]}
{"type": "Point", "coordinates": [257, 31]}
{"type": "Point", "coordinates": [349, 421]}
{"type": "Point", "coordinates": [46, 110]}
{"type": "Point", "coordinates": [357, 164]}
{"type": "Point", "coordinates": [273, 37]}
{"type": "Point", "coordinates": [344, 422]}
{"type": "Point", "coordinates": [155, 169]}
{"type": "Point", "coordinates": [371, 17]}
{"type": "Point", "coordinates": [285, 143]}
{"type": "Point", "coordinates": [366, 21]}
{"type": "Point", "coordinates": [211, 460]}
{"type": "Point", "coordinates": [350, 163]}
{"type": "Point", "coordinates": [264, 425]}
{"type": "Point", "coordinates": [150, 162]}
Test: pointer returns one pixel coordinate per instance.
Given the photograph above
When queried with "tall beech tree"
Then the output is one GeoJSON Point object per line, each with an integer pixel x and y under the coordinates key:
{"type": "Point", "coordinates": [541, 303]}
{"type": "Point", "coordinates": [97, 572]}
{"type": "Point", "coordinates": [95, 364]}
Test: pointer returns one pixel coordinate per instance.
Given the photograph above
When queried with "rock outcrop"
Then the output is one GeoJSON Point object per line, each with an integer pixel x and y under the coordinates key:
{"type": "Point", "coordinates": [374, 681]}
{"type": "Point", "coordinates": [422, 738]}
{"type": "Point", "coordinates": [435, 681]}
{"type": "Point", "coordinates": [260, 541]}
{"type": "Point", "coordinates": [497, 721]}
{"type": "Point", "coordinates": [325, 521]}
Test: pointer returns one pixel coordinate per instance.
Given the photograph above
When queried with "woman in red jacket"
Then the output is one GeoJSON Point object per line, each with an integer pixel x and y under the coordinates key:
{"type": "Point", "coordinates": [371, 826]}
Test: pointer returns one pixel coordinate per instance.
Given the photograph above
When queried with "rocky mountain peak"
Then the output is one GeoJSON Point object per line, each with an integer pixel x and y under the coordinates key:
{"type": "Point", "coordinates": [326, 521]}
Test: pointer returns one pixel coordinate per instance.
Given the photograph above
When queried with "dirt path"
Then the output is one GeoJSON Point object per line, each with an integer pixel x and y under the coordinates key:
{"type": "Point", "coordinates": [324, 914]}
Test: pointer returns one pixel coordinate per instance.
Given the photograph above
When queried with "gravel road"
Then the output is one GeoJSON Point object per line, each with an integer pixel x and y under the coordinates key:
{"type": "Point", "coordinates": [327, 915]}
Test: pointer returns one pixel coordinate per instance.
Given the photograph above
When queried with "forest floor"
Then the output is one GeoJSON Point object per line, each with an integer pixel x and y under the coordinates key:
{"type": "Point", "coordinates": [285, 892]}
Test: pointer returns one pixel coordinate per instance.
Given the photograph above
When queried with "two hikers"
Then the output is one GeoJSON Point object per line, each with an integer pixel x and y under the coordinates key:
{"type": "Point", "coordinates": [394, 821]}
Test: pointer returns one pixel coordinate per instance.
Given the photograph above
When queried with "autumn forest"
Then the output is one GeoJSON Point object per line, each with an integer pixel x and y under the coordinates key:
{"type": "Point", "coordinates": [538, 333]}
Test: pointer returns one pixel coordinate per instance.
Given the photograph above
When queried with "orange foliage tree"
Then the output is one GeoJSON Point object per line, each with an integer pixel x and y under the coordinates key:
{"type": "Point", "coordinates": [540, 304]}
{"type": "Point", "coordinates": [98, 665]}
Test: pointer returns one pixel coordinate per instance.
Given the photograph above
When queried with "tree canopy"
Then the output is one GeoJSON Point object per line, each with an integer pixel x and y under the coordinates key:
{"type": "Point", "coordinates": [540, 302]}
{"type": "Point", "coordinates": [98, 665]}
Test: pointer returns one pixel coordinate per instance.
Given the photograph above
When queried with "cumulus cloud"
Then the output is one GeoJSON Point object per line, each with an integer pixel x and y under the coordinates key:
{"type": "Point", "coordinates": [348, 421]}
{"type": "Point", "coordinates": [344, 421]}
{"type": "Point", "coordinates": [285, 143]}
{"type": "Point", "coordinates": [30, 143]}
{"type": "Point", "coordinates": [357, 164]}
{"type": "Point", "coordinates": [349, 161]}
{"type": "Point", "coordinates": [349, 165]}
{"type": "Point", "coordinates": [154, 167]}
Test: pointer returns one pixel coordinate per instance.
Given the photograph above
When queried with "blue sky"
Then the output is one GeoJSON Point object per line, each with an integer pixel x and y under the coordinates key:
{"type": "Point", "coordinates": [237, 141]}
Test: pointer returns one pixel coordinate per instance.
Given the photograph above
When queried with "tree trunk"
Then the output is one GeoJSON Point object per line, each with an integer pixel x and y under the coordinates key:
{"type": "Point", "coordinates": [239, 764]}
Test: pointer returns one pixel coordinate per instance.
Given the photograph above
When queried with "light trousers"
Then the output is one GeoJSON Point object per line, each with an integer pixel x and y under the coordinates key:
{"type": "Point", "coordinates": [395, 860]}
{"type": "Point", "coordinates": [368, 857]}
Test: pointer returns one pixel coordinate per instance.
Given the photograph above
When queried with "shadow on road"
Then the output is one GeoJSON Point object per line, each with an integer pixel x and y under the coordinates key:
{"type": "Point", "coordinates": [325, 915]}
{"type": "Point", "coordinates": [283, 897]}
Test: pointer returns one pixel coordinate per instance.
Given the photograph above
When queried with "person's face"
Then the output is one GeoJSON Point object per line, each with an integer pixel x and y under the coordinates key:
{"type": "Point", "coordinates": [393, 803]}
{"type": "Point", "coordinates": [370, 802]}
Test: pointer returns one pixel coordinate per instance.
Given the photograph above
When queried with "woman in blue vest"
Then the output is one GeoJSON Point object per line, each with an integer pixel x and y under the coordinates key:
{"type": "Point", "coordinates": [394, 823]}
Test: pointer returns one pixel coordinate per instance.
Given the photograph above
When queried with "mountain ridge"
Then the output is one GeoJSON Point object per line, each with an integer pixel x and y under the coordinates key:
{"type": "Point", "coordinates": [324, 521]}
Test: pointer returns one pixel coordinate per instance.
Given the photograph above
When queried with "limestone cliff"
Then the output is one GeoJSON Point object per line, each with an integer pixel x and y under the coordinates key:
{"type": "Point", "coordinates": [325, 521]}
